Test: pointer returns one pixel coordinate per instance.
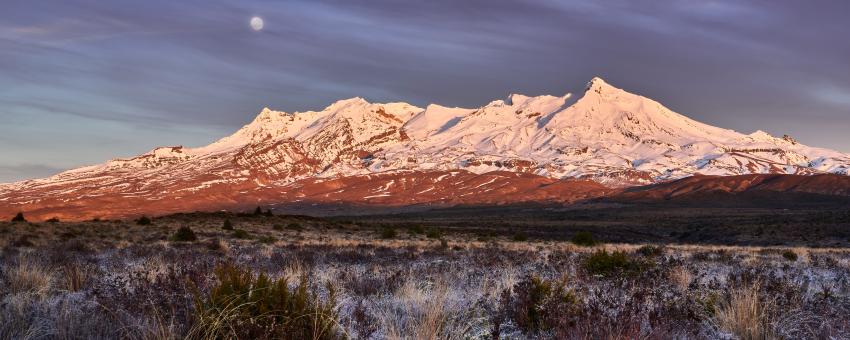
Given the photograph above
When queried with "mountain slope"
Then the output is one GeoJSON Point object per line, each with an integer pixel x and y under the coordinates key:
{"type": "Point", "coordinates": [607, 135]}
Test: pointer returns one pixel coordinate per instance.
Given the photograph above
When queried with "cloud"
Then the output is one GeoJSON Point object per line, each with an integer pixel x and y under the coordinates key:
{"type": "Point", "coordinates": [163, 66]}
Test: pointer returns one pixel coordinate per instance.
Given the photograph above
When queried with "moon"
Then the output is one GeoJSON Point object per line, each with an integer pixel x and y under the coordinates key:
{"type": "Point", "coordinates": [257, 24]}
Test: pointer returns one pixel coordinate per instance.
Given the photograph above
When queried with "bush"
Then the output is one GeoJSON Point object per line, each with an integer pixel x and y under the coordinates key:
{"type": "Point", "coordinates": [227, 225]}
{"type": "Point", "coordinates": [144, 220]}
{"type": "Point", "coordinates": [584, 239]}
{"type": "Point", "coordinates": [651, 251]}
{"type": "Point", "coordinates": [416, 230]}
{"type": "Point", "coordinates": [605, 264]}
{"type": "Point", "coordinates": [239, 233]}
{"type": "Point", "coordinates": [537, 300]}
{"type": "Point", "coordinates": [19, 218]}
{"type": "Point", "coordinates": [388, 233]}
{"type": "Point", "coordinates": [267, 239]}
{"type": "Point", "coordinates": [789, 255]}
{"type": "Point", "coordinates": [258, 211]}
{"type": "Point", "coordinates": [242, 306]}
{"type": "Point", "coordinates": [294, 226]}
{"type": "Point", "coordinates": [434, 233]}
{"type": "Point", "coordinates": [520, 237]}
{"type": "Point", "coordinates": [184, 234]}
{"type": "Point", "coordinates": [53, 220]}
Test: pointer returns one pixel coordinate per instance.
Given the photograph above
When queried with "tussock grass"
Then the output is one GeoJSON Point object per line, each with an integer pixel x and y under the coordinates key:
{"type": "Point", "coordinates": [746, 314]}
{"type": "Point", "coordinates": [29, 276]}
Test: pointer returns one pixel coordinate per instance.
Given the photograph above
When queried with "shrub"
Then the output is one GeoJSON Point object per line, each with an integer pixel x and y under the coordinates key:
{"type": "Point", "coordinates": [239, 233]}
{"type": "Point", "coordinates": [388, 233]}
{"type": "Point", "coordinates": [258, 211]}
{"type": "Point", "coordinates": [416, 230]}
{"type": "Point", "coordinates": [433, 233]}
{"type": "Point", "coordinates": [789, 255]}
{"type": "Point", "coordinates": [144, 220]}
{"type": "Point", "coordinates": [605, 264]}
{"type": "Point", "coordinates": [651, 251]}
{"type": "Point", "coordinates": [534, 303]}
{"type": "Point", "coordinates": [520, 237]}
{"type": "Point", "coordinates": [294, 226]}
{"type": "Point", "coordinates": [267, 239]}
{"type": "Point", "coordinates": [242, 306]}
{"type": "Point", "coordinates": [184, 234]}
{"type": "Point", "coordinates": [227, 225]}
{"type": "Point", "coordinates": [19, 218]}
{"type": "Point", "coordinates": [584, 239]}
{"type": "Point", "coordinates": [53, 220]}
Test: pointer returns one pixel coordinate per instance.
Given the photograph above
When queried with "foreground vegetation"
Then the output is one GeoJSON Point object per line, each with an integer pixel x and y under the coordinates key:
{"type": "Point", "coordinates": [256, 276]}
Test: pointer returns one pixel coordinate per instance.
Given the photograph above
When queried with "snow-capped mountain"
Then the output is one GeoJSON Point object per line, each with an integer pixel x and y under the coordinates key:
{"type": "Point", "coordinates": [608, 135]}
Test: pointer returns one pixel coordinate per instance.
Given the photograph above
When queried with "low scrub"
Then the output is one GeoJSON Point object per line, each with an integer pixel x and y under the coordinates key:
{"type": "Point", "coordinates": [388, 233]}
{"type": "Point", "coordinates": [584, 239]}
{"type": "Point", "coordinates": [651, 251]}
{"type": "Point", "coordinates": [608, 264]}
{"type": "Point", "coordinates": [184, 234]}
{"type": "Point", "coordinates": [790, 255]}
{"type": "Point", "coordinates": [538, 302]}
{"type": "Point", "coordinates": [144, 220]}
{"type": "Point", "coordinates": [239, 233]}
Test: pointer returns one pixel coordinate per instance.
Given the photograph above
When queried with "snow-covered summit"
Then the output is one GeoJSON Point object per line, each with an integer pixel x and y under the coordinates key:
{"type": "Point", "coordinates": [609, 135]}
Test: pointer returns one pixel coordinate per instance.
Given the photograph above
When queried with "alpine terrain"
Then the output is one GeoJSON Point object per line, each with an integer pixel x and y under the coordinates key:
{"type": "Point", "coordinates": [519, 149]}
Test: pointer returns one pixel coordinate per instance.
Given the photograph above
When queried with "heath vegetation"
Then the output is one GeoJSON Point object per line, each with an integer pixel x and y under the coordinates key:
{"type": "Point", "coordinates": [295, 277]}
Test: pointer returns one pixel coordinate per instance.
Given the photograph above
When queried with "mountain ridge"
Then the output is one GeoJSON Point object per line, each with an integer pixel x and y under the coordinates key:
{"type": "Point", "coordinates": [607, 135]}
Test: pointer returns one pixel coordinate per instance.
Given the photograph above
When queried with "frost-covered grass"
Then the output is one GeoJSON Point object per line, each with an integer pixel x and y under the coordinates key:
{"type": "Point", "coordinates": [121, 280]}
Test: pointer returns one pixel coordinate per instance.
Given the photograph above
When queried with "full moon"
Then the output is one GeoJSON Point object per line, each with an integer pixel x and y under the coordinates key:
{"type": "Point", "coordinates": [257, 23]}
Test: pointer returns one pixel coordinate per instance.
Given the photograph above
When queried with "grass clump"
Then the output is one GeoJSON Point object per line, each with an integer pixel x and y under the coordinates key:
{"type": "Point", "coordinates": [244, 306]}
{"type": "Point", "coordinates": [144, 220]}
{"type": "Point", "coordinates": [28, 276]}
{"type": "Point", "coordinates": [184, 234]}
{"type": "Point", "coordinates": [745, 314]}
{"type": "Point", "coordinates": [584, 239]}
{"type": "Point", "coordinates": [388, 233]}
{"type": "Point", "coordinates": [227, 225]}
{"type": "Point", "coordinates": [520, 237]}
{"type": "Point", "coordinates": [609, 264]}
{"type": "Point", "coordinates": [790, 255]}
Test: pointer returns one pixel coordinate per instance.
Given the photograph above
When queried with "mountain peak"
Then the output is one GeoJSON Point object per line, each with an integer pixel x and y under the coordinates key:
{"type": "Point", "coordinates": [346, 102]}
{"type": "Point", "coordinates": [596, 83]}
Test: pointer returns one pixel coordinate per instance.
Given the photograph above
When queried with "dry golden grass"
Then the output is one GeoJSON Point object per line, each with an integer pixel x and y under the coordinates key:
{"type": "Point", "coordinates": [681, 277]}
{"type": "Point", "coordinates": [28, 276]}
{"type": "Point", "coordinates": [745, 314]}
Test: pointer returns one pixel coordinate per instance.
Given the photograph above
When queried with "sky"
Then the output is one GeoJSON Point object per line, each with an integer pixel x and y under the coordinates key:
{"type": "Point", "coordinates": [82, 82]}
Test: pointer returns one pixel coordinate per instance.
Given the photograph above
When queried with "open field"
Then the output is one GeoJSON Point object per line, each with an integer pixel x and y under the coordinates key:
{"type": "Point", "coordinates": [508, 274]}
